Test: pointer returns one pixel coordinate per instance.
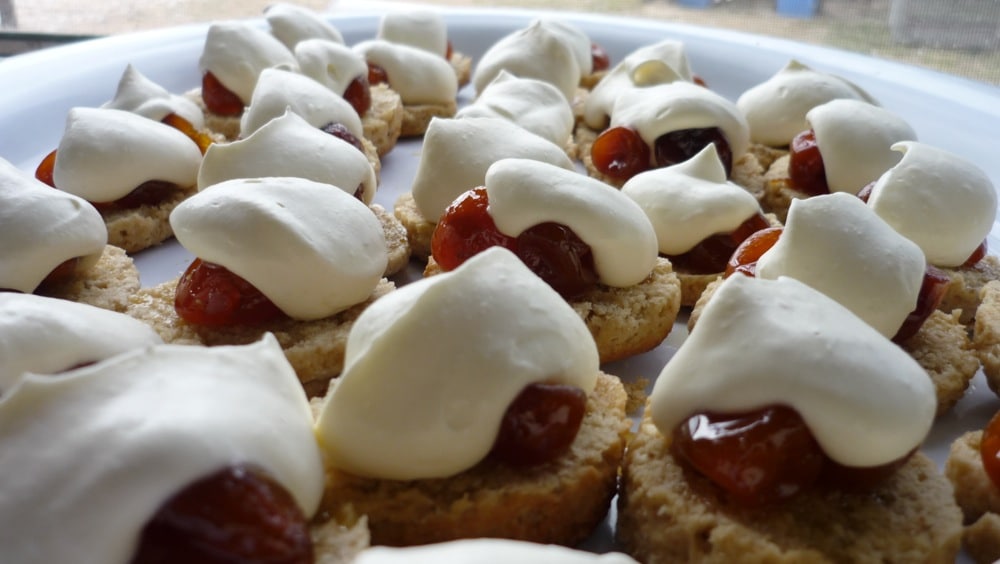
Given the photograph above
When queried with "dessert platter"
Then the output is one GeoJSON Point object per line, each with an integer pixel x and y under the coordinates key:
{"type": "Point", "coordinates": [953, 114]}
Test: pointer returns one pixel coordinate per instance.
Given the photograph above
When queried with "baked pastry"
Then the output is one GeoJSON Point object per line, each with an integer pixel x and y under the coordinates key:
{"type": "Point", "coordinates": [971, 467]}
{"type": "Point", "coordinates": [425, 29]}
{"type": "Point", "coordinates": [427, 440]}
{"type": "Point", "coordinates": [200, 428]}
{"type": "Point", "coordinates": [781, 356]}
{"type": "Point", "coordinates": [289, 256]}
{"type": "Point", "coordinates": [53, 243]}
{"type": "Point", "coordinates": [454, 158]}
{"type": "Point", "coordinates": [588, 241]}
{"type": "Point", "coordinates": [496, 550]}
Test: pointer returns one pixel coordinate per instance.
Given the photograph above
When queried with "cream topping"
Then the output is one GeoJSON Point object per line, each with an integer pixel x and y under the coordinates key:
{"type": "Point", "coordinates": [691, 201]}
{"type": "Point", "coordinates": [292, 24]}
{"type": "Point", "coordinates": [578, 42]}
{"type": "Point", "coordinates": [142, 96]}
{"type": "Point", "coordinates": [524, 193]}
{"type": "Point", "coordinates": [486, 551]}
{"type": "Point", "coordinates": [280, 90]}
{"type": "Point", "coordinates": [837, 245]}
{"type": "Point", "coordinates": [776, 108]}
{"type": "Point", "coordinates": [236, 53]}
{"type": "Point", "coordinates": [537, 51]}
{"type": "Point", "coordinates": [425, 387]}
{"type": "Point", "coordinates": [855, 139]}
{"type": "Point", "coordinates": [49, 335]}
{"type": "Point", "coordinates": [170, 415]}
{"type": "Point", "coordinates": [659, 63]}
{"type": "Point", "coordinates": [662, 108]}
{"type": "Point", "coordinates": [533, 104]}
{"type": "Point", "coordinates": [40, 228]}
{"type": "Point", "coordinates": [457, 152]}
{"type": "Point", "coordinates": [105, 154]}
{"type": "Point", "coordinates": [331, 64]}
{"type": "Point", "coordinates": [288, 146]}
{"type": "Point", "coordinates": [865, 400]}
{"type": "Point", "coordinates": [311, 248]}
{"type": "Point", "coordinates": [418, 76]}
{"type": "Point", "coordinates": [423, 29]}
{"type": "Point", "coordinates": [939, 200]}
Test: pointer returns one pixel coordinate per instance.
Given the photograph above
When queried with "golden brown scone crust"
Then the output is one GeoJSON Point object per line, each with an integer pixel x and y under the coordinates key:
{"type": "Point", "coordinates": [396, 242]}
{"type": "Point", "coordinates": [625, 321]}
{"type": "Point", "coordinates": [338, 540]}
{"type": "Point", "coordinates": [227, 127]}
{"type": "Point", "coordinates": [145, 226]}
{"type": "Point", "coordinates": [419, 230]}
{"type": "Point", "coordinates": [558, 502]}
{"type": "Point", "coordinates": [315, 349]}
{"type": "Point", "coordinates": [986, 334]}
{"type": "Point", "coordinates": [417, 117]}
{"type": "Point", "coordinates": [941, 347]}
{"type": "Point", "coordinates": [383, 122]}
{"type": "Point", "coordinates": [667, 513]}
{"type": "Point", "coordinates": [977, 496]}
{"type": "Point", "coordinates": [108, 284]}
{"type": "Point", "coordinates": [982, 539]}
{"type": "Point", "coordinates": [967, 283]}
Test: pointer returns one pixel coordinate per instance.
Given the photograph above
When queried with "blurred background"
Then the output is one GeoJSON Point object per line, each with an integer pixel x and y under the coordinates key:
{"type": "Point", "coordinates": [960, 37]}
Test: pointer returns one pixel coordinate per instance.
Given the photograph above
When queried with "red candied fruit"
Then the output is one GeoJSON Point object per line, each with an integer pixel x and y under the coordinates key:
{"type": "Point", "coordinates": [359, 94]}
{"type": "Point", "coordinates": [341, 132]}
{"type": "Point", "coordinates": [148, 193]}
{"type": "Point", "coordinates": [449, 51]}
{"type": "Point", "coordinates": [219, 99]}
{"type": "Point", "coordinates": [209, 294]}
{"type": "Point", "coordinates": [465, 230]}
{"type": "Point", "coordinates": [377, 75]}
{"type": "Point", "coordinates": [989, 449]}
{"type": "Point", "coordinates": [678, 146]}
{"type": "Point", "coordinates": [599, 57]}
{"type": "Point", "coordinates": [744, 258]}
{"type": "Point", "coordinates": [805, 165]}
{"type": "Point", "coordinates": [540, 424]}
{"type": "Point", "coordinates": [235, 515]}
{"type": "Point", "coordinates": [46, 169]}
{"type": "Point", "coordinates": [184, 126]}
{"type": "Point", "coordinates": [619, 152]}
{"type": "Point", "coordinates": [712, 254]}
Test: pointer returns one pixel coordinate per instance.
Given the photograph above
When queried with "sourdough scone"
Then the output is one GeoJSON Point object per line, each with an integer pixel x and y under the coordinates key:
{"type": "Point", "coordinates": [383, 122]}
{"type": "Point", "coordinates": [558, 502]}
{"type": "Point", "coordinates": [145, 226]}
{"type": "Point", "coordinates": [977, 496]}
{"type": "Point", "coordinates": [669, 514]}
{"type": "Point", "coordinates": [109, 284]}
{"type": "Point", "coordinates": [338, 539]}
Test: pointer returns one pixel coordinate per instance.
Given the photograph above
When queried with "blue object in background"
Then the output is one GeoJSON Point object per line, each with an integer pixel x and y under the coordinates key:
{"type": "Point", "coordinates": [798, 8]}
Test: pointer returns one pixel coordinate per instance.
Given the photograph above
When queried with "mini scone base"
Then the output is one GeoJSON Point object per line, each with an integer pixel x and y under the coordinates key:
{"type": "Point", "coordinates": [145, 226]}
{"type": "Point", "coordinates": [942, 348]}
{"type": "Point", "coordinates": [108, 284]}
{"type": "Point", "coordinates": [976, 495]}
{"type": "Point", "coordinates": [558, 502]}
{"type": "Point", "coordinates": [625, 321]}
{"type": "Point", "coordinates": [667, 513]}
{"type": "Point", "coordinates": [315, 349]}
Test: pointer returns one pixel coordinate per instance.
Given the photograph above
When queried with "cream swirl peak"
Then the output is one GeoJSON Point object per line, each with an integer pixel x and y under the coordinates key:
{"type": "Point", "coordinates": [423, 29]}
{"type": "Point", "coordinates": [426, 384]}
{"type": "Point", "coordinates": [171, 415]}
{"type": "Point", "coordinates": [140, 95]}
{"type": "Point", "coordinates": [236, 53]}
{"type": "Point", "coordinates": [104, 154]}
{"type": "Point", "coordinates": [288, 146]}
{"type": "Point", "coordinates": [937, 199]}
{"type": "Point", "coordinates": [837, 245]}
{"type": "Point", "coordinates": [40, 228]}
{"type": "Point", "coordinates": [690, 201]}
{"type": "Point", "coordinates": [776, 108]}
{"type": "Point", "coordinates": [864, 399]}
{"type": "Point", "coordinates": [524, 193]}
{"type": "Point", "coordinates": [537, 51]}
{"type": "Point", "coordinates": [311, 248]}
{"type": "Point", "coordinates": [279, 90]}
{"type": "Point", "coordinates": [533, 104]}
{"type": "Point", "coordinates": [418, 76]}
{"type": "Point", "coordinates": [292, 24]}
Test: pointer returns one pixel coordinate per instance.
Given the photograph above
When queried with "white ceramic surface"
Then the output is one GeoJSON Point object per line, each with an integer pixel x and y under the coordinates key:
{"type": "Point", "coordinates": [37, 89]}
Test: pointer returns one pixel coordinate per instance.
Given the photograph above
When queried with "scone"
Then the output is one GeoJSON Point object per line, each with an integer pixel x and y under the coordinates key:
{"type": "Point", "coordinates": [976, 492]}
{"type": "Point", "coordinates": [778, 359]}
{"type": "Point", "coordinates": [434, 440]}
{"type": "Point", "coordinates": [425, 29]}
{"type": "Point", "coordinates": [285, 255]}
{"type": "Point", "coordinates": [588, 241]}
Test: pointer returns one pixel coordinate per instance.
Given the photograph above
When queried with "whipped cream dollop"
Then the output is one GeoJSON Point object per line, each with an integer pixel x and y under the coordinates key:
{"type": "Point", "coordinates": [288, 146]}
{"type": "Point", "coordinates": [138, 94]}
{"type": "Point", "coordinates": [837, 245]}
{"type": "Point", "coordinates": [524, 193]}
{"type": "Point", "coordinates": [760, 343]}
{"type": "Point", "coordinates": [423, 29]}
{"type": "Point", "coordinates": [311, 248]}
{"type": "Point", "coordinates": [41, 228]}
{"type": "Point", "coordinates": [578, 42]}
{"type": "Point", "coordinates": [537, 51]}
{"type": "Point", "coordinates": [486, 551]}
{"type": "Point", "coordinates": [663, 108]}
{"type": "Point", "coordinates": [533, 104]}
{"type": "Point", "coordinates": [104, 154]}
{"type": "Point", "coordinates": [123, 436]}
{"type": "Point", "coordinates": [691, 201]}
{"type": "Point", "coordinates": [776, 108]}
{"type": "Point", "coordinates": [333, 65]}
{"type": "Point", "coordinates": [418, 76]}
{"type": "Point", "coordinates": [937, 199]}
{"type": "Point", "coordinates": [292, 24]}
{"type": "Point", "coordinates": [457, 152]}
{"type": "Point", "coordinates": [431, 368]}
{"type": "Point", "coordinates": [236, 52]}
{"type": "Point", "coordinates": [280, 90]}
{"type": "Point", "coordinates": [855, 139]}
{"type": "Point", "coordinates": [660, 63]}
{"type": "Point", "coordinates": [49, 335]}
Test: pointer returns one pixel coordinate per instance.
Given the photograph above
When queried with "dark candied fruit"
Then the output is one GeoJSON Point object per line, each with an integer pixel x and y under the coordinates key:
{"type": "Point", "coordinates": [599, 57]}
{"type": "Point", "coordinates": [209, 294]}
{"type": "Point", "coordinates": [712, 254]}
{"type": "Point", "coordinates": [540, 424]}
{"type": "Point", "coordinates": [341, 132]}
{"type": "Point", "coordinates": [619, 152]}
{"type": "Point", "coordinates": [932, 290]}
{"type": "Point", "coordinates": [675, 147]}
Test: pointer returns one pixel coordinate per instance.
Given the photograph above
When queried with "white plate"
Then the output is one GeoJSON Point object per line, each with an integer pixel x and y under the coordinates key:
{"type": "Point", "coordinates": [37, 89]}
